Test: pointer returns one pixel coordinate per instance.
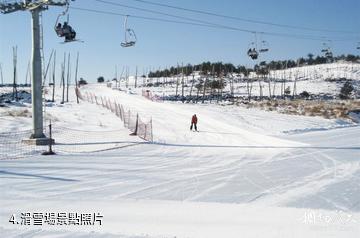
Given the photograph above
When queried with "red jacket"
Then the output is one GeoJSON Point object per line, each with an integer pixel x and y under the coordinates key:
{"type": "Point", "coordinates": [194, 119]}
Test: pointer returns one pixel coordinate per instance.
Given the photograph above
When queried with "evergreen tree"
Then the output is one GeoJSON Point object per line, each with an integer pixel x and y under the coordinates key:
{"type": "Point", "coordinates": [100, 79]}
{"type": "Point", "coordinates": [346, 90]}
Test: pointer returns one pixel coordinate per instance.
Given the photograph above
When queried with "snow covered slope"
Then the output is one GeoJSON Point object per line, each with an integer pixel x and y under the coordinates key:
{"type": "Point", "coordinates": [315, 79]}
{"type": "Point", "coordinates": [242, 175]}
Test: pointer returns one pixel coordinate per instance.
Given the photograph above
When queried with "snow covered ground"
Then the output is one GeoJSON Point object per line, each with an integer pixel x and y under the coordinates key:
{"type": "Point", "coordinates": [247, 173]}
{"type": "Point", "coordinates": [315, 79]}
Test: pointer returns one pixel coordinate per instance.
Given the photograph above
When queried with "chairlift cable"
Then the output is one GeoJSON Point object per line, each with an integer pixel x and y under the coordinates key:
{"type": "Point", "coordinates": [244, 19]}
{"type": "Point", "coordinates": [166, 14]}
{"type": "Point", "coordinates": [211, 25]}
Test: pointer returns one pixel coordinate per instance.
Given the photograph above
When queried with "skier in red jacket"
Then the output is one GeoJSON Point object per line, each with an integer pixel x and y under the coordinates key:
{"type": "Point", "coordinates": [194, 122]}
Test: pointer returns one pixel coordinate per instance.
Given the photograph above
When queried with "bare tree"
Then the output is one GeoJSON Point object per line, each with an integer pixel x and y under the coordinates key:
{"type": "Point", "coordinates": [193, 81]}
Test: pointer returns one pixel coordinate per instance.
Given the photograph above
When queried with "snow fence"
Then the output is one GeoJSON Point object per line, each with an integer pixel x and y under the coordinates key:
{"type": "Point", "coordinates": [131, 119]}
{"type": "Point", "coordinates": [71, 141]}
{"type": "Point", "coordinates": [12, 145]}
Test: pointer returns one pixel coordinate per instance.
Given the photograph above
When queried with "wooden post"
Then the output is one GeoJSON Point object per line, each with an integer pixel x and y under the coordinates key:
{"type": "Point", "coordinates": [50, 152]}
{"type": "Point", "coordinates": [47, 69]}
{"type": "Point", "coordinates": [28, 73]}
{"type": "Point", "coordinates": [68, 79]}
{"type": "Point", "coordinates": [128, 122]}
{"type": "Point", "coordinates": [177, 81]}
{"type": "Point", "coordinates": [152, 135]}
{"type": "Point", "coordinates": [63, 79]}
{"type": "Point", "coordinates": [136, 125]}
{"type": "Point", "coordinates": [182, 83]}
{"type": "Point", "coordinates": [127, 77]}
{"type": "Point", "coordinates": [76, 72]}
{"type": "Point", "coordinates": [1, 75]}
{"type": "Point", "coordinates": [53, 78]}
{"type": "Point", "coordinates": [136, 77]}
{"type": "Point", "coordinates": [15, 95]}
{"type": "Point", "coordinates": [269, 81]}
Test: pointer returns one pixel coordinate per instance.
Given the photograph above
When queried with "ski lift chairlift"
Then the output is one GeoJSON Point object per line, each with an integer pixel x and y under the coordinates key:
{"type": "Point", "coordinates": [59, 30]}
{"type": "Point", "coordinates": [329, 54]}
{"type": "Point", "coordinates": [252, 52]}
{"type": "Point", "coordinates": [264, 47]}
{"type": "Point", "coordinates": [130, 36]}
{"type": "Point", "coordinates": [326, 48]}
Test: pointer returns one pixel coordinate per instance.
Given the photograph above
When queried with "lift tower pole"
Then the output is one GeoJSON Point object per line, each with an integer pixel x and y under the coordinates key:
{"type": "Point", "coordinates": [36, 88]}
{"type": "Point", "coordinates": [35, 7]}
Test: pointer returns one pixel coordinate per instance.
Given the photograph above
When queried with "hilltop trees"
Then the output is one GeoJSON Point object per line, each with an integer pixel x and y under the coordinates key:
{"type": "Point", "coordinates": [220, 68]}
{"type": "Point", "coordinates": [100, 79]}
{"type": "Point", "coordinates": [205, 68]}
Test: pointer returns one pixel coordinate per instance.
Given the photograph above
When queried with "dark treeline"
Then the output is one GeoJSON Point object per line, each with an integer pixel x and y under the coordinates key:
{"type": "Point", "coordinates": [220, 68]}
{"type": "Point", "coordinates": [217, 68]}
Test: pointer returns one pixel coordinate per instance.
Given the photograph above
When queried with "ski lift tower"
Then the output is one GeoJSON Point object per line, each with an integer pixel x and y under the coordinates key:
{"type": "Point", "coordinates": [34, 7]}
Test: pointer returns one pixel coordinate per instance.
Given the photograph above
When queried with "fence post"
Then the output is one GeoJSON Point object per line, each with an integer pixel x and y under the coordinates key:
{"type": "Point", "coordinates": [151, 135]}
{"type": "Point", "coordinates": [119, 109]}
{"type": "Point", "coordinates": [116, 109]}
{"type": "Point", "coordinates": [113, 107]}
{"type": "Point", "coordinates": [145, 132]}
{"type": "Point", "coordinates": [129, 114]}
{"type": "Point", "coordinates": [136, 125]}
{"type": "Point", "coordinates": [77, 94]}
{"type": "Point", "coordinates": [50, 152]}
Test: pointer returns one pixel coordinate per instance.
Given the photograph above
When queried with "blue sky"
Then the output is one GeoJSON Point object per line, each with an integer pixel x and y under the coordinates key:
{"type": "Point", "coordinates": [163, 44]}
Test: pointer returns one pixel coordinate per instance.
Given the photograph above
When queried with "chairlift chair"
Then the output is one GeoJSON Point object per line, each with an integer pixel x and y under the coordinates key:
{"type": "Point", "coordinates": [329, 54]}
{"type": "Point", "coordinates": [130, 36]}
{"type": "Point", "coordinates": [358, 46]}
{"type": "Point", "coordinates": [325, 50]}
{"type": "Point", "coordinates": [264, 47]}
{"type": "Point", "coordinates": [57, 26]}
{"type": "Point", "coordinates": [59, 29]}
{"type": "Point", "coordinates": [253, 54]}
